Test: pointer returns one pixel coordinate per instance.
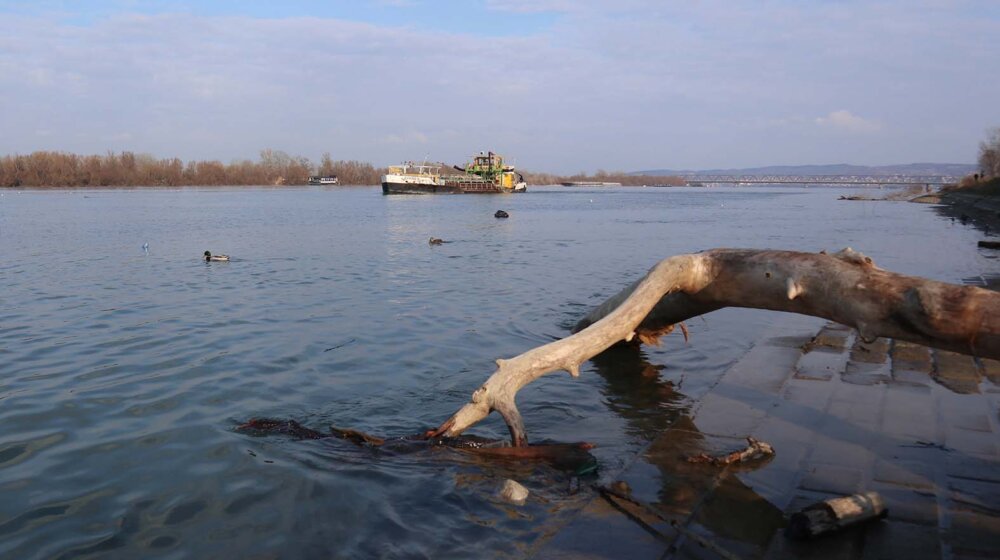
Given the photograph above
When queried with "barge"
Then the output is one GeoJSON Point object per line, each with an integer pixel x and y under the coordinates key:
{"type": "Point", "coordinates": [487, 173]}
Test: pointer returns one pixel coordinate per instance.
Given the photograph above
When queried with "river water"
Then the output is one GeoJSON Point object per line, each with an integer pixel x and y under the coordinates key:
{"type": "Point", "coordinates": [124, 372]}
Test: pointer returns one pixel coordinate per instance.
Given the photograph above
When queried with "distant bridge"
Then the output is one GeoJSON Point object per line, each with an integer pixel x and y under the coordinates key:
{"type": "Point", "coordinates": [695, 179]}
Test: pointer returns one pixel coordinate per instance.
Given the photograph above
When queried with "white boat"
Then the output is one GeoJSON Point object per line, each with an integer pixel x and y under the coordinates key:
{"type": "Point", "coordinates": [330, 180]}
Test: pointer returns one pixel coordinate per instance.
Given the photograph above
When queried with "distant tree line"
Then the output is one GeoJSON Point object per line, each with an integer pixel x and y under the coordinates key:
{"type": "Point", "coordinates": [127, 169]}
{"type": "Point", "coordinates": [58, 169]}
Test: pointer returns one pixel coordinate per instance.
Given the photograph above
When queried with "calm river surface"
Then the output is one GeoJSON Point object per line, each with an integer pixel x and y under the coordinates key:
{"type": "Point", "coordinates": [123, 373]}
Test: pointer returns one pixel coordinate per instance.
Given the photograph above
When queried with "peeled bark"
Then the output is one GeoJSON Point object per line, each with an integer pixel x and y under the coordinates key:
{"type": "Point", "coordinates": [846, 287]}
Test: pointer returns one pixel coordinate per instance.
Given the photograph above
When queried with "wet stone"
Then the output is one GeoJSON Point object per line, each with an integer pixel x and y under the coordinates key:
{"type": "Point", "coordinates": [832, 336]}
{"type": "Point", "coordinates": [870, 352]}
{"type": "Point", "coordinates": [909, 357]}
{"type": "Point", "coordinates": [861, 373]}
{"type": "Point", "coordinates": [991, 370]}
{"type": "Point", "coordinates": [869, 363]}
{"type": "Point", "coordinates": [957, 372]}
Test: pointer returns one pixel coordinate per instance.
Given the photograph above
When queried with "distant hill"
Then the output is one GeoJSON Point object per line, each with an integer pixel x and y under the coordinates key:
{"type": "Point", "coordinates": [954, 169]}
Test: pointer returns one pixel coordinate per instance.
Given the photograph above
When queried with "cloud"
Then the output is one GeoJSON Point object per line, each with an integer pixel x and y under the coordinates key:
{"type": "Point", "coordinates": [630, 85]}
{"type": "Point", "coordinates": [845, 120]}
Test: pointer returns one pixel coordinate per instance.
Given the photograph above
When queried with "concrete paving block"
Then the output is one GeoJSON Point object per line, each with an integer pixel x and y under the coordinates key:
{"type": "Point", "coordinates": [969, 412]}
{"type": "Point", "coordinates": [907, 356]}
{"type": "Point", "coordinates": [859, 414]}
{"type": "Point", "coordinates": [845, 545]}
{"type": "Point", "coordinates": [842, 481]}
{"type": "Point", "coordinates": [808, 393]}
{"type": "Point", "coordinates": [841, 453]}
{"type": "Point", "coordinates": [789, 425]}
{"type": "Point", "coordinates": [977, 422]}
{"type": "Point", "coordinates": [867, 396]}
{"type": "Point", "coordinates": [895, 540]}
{"type": "Point", "coordinates": [910, 474]}
{"type": "Point", "coordinates": [953, 364]}
{"type": "Point", "coordinates": [870, 352]}
{"type": "Point", "coordinates": [909, 378]}
{"type": "Point", "coordinates": [821, 364]}
{"type": "Point", "coordinates": [974, 534]}
{"type": "Point", "coordinates": [909, 505]}
{"type": "Point", "coordinates": [910, 412]}
{"type": "Point", "coordinates": [833, 336]}
{"type": "Point", "coordinates": [866, 374]}
{"type": "Point", "coordinates": [975, 495]}
{"type": "Point", "coordinates": [981, 444]}
{"type": "Point", "coordinates": [960, 465]}
{"type": "Point", "coordinates": [957, 372]}
{"type": "Point", "coordinates": [726, 416]}
{"type": "Point", "coordinates": [991, 370]}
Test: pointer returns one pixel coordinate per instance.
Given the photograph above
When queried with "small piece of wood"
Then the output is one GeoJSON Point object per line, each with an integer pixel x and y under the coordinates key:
{"type": "Point", "coordinates": [755, 450]}
{"type": "Point", "coordinates": [990, 244]}
{"type": "Point", "coordinates": [835, 514]}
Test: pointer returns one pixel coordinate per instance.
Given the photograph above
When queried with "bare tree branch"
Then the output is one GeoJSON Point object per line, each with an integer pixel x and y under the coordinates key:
{"type": "Point", "coordinates": [846, 287]}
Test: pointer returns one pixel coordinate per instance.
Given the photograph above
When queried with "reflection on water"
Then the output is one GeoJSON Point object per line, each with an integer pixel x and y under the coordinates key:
{"type": "Point", "coordinates": [124, 371]}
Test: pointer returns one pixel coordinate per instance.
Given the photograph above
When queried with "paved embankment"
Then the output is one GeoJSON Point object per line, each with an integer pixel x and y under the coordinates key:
{"type": "Point", "coordinates": [919, 426]}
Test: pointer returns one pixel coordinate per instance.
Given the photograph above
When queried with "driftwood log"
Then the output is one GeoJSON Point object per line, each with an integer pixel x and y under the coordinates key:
{"type": "Point", "coordinates": [835, 514]}
{"type": "Point", "coordinates": [845, 287]}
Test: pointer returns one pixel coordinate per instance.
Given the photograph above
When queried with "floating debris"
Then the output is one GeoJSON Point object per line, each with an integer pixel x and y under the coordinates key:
{"type": "Point", "coordinates": [835, 514]}
{"type": "Point", "coordinates": [501, 214]}
{"type": "Point", "coordinates": [514, 492]}
{"type": "Point", "coordinates": [755, 450]}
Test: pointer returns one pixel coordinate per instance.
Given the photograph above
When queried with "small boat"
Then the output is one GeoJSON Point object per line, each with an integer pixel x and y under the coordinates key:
{"type": "Point", "coordinates": [328, 180]}
{"type": "Point", "coordinates": [487, 173]}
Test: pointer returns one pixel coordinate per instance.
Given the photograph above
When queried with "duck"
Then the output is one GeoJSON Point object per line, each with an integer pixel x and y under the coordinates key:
{"type": "Point", "coordinates": [436, 241]}
{"type": "Point", "coordinates": [501, 214]}
{"type": "Point", "coordinates": [209, 257]}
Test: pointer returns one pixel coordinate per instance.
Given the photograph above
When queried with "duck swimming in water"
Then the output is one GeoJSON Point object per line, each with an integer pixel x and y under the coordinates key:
{"type": "Point", "coordinates": [209, 257]}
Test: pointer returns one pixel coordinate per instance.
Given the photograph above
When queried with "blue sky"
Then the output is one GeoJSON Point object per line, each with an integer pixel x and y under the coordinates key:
{"type": "Point", "coordinates": [452, 16]}
{"type": "Point", "coordinates": [557, 85]}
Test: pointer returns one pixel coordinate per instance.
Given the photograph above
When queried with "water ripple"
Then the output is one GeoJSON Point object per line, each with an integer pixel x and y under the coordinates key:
{"type": "Point", "coordinates": [122, 375]}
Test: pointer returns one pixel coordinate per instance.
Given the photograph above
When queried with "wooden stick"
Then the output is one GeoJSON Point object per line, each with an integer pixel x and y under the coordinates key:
{"type": "Point", "coordinates": [755, 450]}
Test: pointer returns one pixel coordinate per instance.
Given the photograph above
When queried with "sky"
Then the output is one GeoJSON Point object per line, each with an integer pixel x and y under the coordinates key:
{"type": "Point", "coordinates": [555, 85]}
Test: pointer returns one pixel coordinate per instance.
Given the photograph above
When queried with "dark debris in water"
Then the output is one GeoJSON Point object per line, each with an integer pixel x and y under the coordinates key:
{"type": "Point", "coordinates": [570, 457]}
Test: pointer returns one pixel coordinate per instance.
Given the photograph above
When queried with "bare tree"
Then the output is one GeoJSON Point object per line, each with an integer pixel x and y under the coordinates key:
{"type": "Point", "coordinates": [989, 154]}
